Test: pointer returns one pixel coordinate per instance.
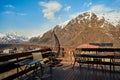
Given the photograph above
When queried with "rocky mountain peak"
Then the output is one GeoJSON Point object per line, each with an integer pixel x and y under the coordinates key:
{"type": "Point", "coordinates": [88, 19]}
{"type": "Point", "coordinates": [12, 38]}
{"type": "Point", "coordinates": [87, 16]}
{"type": "Point", "coordinates": [85, 28]}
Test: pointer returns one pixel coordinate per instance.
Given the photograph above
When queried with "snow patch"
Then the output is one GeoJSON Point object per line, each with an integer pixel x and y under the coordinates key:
{"type": "Point", "coordinates": [113, 18]}
{"type": "Point", "coordinates": [86, 17]}
{"type": "Point", "coordinates": [102, 26]}
{"type": "Point", "coordinates": [100, 17]}
{"type": "Point", "coordinates": [62, 25]}
{"type": "Point", "coordinates": [2, 35]}
{"type": "Point", "coordinates": [90, 13]}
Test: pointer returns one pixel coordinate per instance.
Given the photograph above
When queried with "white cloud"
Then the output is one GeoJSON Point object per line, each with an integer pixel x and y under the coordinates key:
{"type": "Point", "coordinates": [8, 12]}
{"type": "Point", "coordinates": [73, 15]}
{"type": "Point", "coordinates": [100, 9]}
{"type": "Point", "coordinates": [88, 4]}
{"type": "Point", "coordinates": [13, 13]}
{"type": "Point", "coordinates": [67, 8]}
{"type": "Point", "coordinates": [50, 9]}
{"type": "Point", "coordinates": [9, 6]}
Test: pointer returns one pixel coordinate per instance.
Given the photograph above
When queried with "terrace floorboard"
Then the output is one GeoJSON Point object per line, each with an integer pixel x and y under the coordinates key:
{"type": "Point", "coordinates": [66, 72]}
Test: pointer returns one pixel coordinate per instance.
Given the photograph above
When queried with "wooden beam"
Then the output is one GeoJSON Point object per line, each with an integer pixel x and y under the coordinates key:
{"type": "Point", "coordinates": [14, 56]}
{"type": "Point", "coordinates": [19, 74]}
{"type": "Point", "coordinates": [7, 66]}
{"type": "Point", "coordinates": [18, 55]}
{"type": "Point", "coordinates": [100, 49]}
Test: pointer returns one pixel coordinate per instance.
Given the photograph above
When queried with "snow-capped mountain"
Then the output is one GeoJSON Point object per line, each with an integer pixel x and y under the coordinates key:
{"type": "Point", "coordinates": [112, 18]}
{"type": "Point", "coordinates": [12, 38]}
{"type": "Point", "coordinates": [85, 28]}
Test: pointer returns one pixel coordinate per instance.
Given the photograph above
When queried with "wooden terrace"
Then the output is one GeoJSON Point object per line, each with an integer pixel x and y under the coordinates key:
{"type": "Point", "coordinates": [60, 72]}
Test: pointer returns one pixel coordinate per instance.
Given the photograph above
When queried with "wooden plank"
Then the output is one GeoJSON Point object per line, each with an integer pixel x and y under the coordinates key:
{"type": "Point", "coordinates": [10, 65]}
{"type": "Point", "coordinates": [83, 74]}
{"type": "Point", "coordinates": [14, 56]}
{"type": "Point", "coordinates": [100, 49]}
{"type": "Point", "coordinates": [93, 62]}
{"type": "Point", "coordinates": [18, 55]}
{"type": "Point", "coordinates": [40, 50]}
{"type": "Point", "coordinates": [19, 74]}
{"type": "Point", "coordinates": [7, 66]}
{"type": "Point", "coordinates": [98, 56]}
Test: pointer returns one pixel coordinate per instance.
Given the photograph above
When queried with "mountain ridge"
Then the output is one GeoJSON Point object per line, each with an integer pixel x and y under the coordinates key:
{"type": "Point", "coordinates": [12, 38]}
{"type": "Point", "coordinates": [85, 28]}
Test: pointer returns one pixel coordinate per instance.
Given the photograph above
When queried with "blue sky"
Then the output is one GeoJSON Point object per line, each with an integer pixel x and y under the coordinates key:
{"type": "Point", "coordinates": [34, 17]}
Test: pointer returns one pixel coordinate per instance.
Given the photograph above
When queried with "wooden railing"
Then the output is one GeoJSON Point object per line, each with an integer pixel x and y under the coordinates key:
{"type": "Point", "coordinates": [99, 53]}
{"type": "Point", "coordinates": [100, 49]}
{"type": "Point", "coordinates": [7, 63]}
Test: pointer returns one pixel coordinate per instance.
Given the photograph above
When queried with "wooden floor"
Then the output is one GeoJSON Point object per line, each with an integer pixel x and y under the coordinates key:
{"type": "Point", "coordinates": [66, 72]}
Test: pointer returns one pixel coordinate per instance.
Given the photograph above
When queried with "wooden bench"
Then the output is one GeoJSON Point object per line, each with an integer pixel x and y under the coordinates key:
{"type": "Point", "coordinates": [10, 62]}
{"type": "Point", "coordinates": [97, 60]}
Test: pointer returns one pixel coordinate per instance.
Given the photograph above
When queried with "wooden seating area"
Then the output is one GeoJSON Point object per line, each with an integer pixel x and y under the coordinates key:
{"type": "Point", "coordinates": [99, 59]}
{"type": "Point", "coordinates": [78, 59]}
{"type": "Point", "coordinates": [21, 63]}
{"type": "Point", "coordinates": [34, 70]}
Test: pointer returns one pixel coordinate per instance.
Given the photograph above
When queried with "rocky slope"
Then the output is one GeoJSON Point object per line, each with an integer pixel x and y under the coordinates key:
{"type": "Point", "coordinates": [85, 28]}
